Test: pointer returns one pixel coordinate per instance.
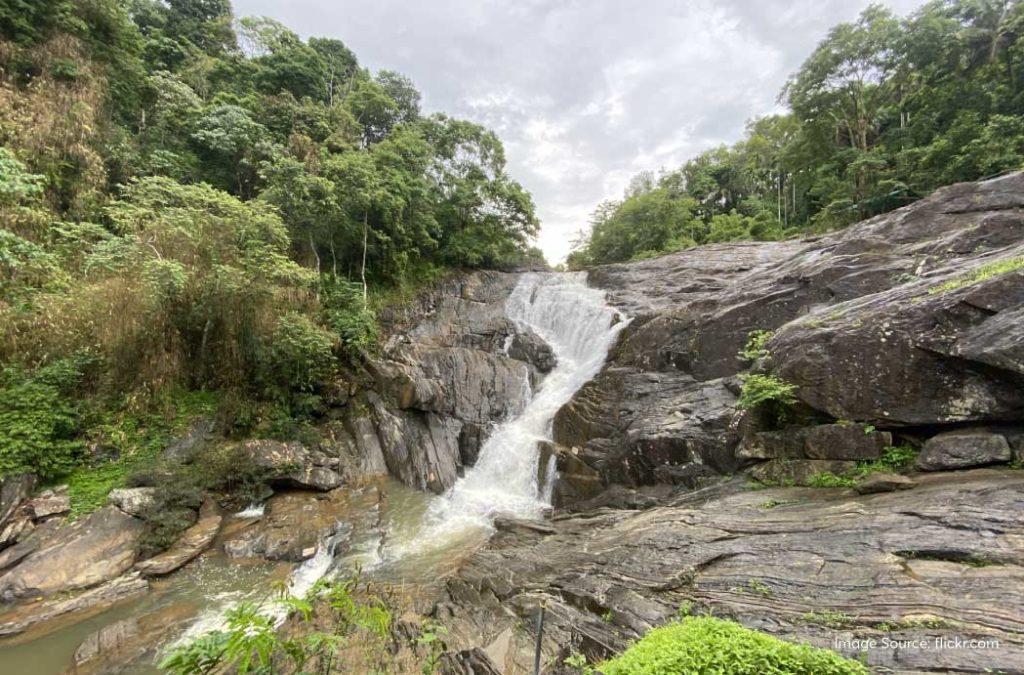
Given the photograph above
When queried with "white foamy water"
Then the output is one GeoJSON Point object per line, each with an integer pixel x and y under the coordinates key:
{"type": "Point", "coordinates": [580, 327]}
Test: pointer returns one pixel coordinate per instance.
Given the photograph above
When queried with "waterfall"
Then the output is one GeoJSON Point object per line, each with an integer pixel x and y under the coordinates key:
{"type": "Point", "coordinates": [580, 328]}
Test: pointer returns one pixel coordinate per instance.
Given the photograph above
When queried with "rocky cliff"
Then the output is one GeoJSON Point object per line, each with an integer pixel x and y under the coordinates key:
{"type": "Point", "coordinates": [901, 331]}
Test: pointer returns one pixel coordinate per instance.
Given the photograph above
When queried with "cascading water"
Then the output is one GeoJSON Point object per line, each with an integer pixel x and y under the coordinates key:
{"type": "Point", "coordinates": [580, 328]}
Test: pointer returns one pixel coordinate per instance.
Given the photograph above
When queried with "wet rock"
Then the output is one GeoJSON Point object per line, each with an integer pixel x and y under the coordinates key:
{"type": "Point", "coordinates": [13, 491]}
{"type": "Point", "coordinates": [773, 559]}
{"type": "Point", "coordinates": [133, 501]}
{"type": "Point", "coordinates": [512, 524]}
{"type": "Point", "coordinates": [76, 555]}
{"type": "Point", "coordinates": [194, 541]}
{"type": "Point", "coordinates": [293, 525]}
{"type": "Point", "coordinates": [467, 662]}
{"type": "Point", "coordinates": [531, 348]}
{"type": "Point", "coordinates": [884, 482]}
{"type": "Point", "coordinates": [22, 617]}
{"type": "Point", "coordinates": [963, 449]}
{"type": "Point", "coordinates": [575, 480]}
{"type": "Point", "coordinates": [798, 471]}
{"type": "Point", "coordinates": [824, 441]}
{"type": "Point", "coordinates": [690, 475]}
{"type": "Point", "coordinates": [294, 465]}
{"type": "Point", "coordinates": [878, 323]}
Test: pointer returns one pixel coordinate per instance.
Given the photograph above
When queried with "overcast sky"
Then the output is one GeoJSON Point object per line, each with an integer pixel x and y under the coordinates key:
{"type": "Point", "coordinates": [583, 93]}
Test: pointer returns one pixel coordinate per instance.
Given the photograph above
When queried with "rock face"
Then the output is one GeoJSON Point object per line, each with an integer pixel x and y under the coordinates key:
{"type": "Point", "coordinates": [945, 559]}
{"type": "Point", "coordinates": [884, 482]}
{"type": "Point", "coordinates": [452, 366]}
{"type": "Point", "coordinates": [76, 555]}
{"type": "Point", "coordinates": [13, 491]}
{"type": "Point", "coordinates": [961, 449]}
{"type": "Point", "coordinates": [910, 320]}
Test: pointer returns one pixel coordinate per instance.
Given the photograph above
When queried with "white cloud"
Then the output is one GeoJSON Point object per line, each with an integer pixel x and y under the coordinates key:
{"type": "Point", "coordinates": [584, 93]}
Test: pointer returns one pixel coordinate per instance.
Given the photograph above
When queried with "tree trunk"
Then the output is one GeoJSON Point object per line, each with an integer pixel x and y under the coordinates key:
{"type": "Point", "coordinates": [366, 228]}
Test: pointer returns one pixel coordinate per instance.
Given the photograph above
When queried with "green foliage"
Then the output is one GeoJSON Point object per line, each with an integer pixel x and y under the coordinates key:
{"type": "Point", "coordinates": [827, 479]}
{"type": "Point", "coordinates": [251, 643]}
{"type": "Point", "coordinates": [982, 273]}
{"type": "Point", "coordinates": [432, 637]}
{"type": "Point", "coordinates": [755, 346]}
{"type": "Point", "coordinates": [710, 645]}
{"type": "Point", "coordinates": [40, 418]}
{"type": "Point", "coordinates": [299, 354]}
{"type": "Point", "coordinates": [881, 113]}
{"type": "Point", "coordinates": [760, 389]}
{"type": "Point", "coordinates": [829, 618]}
{"type": "Point", "coordinates": [347, 314]}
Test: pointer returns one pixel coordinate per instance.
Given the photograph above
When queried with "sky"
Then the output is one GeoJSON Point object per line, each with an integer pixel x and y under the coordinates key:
{"type": "Point", "coordinates": [583, 93]}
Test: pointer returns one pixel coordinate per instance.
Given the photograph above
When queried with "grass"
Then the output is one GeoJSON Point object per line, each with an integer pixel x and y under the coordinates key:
{"type": "Point", "coordinates": [982, 273]}
{"type": "Point", "coordinates": [710, 645]}
{"type": "Point", "coordinates": [829, 619]}
{"type": "Point", "coordinates": [137, 441]}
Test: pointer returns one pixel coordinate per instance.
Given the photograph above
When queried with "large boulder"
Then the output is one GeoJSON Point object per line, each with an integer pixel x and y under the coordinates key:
{"type": "Point", "coordinates": [293, 525]}
{"type": "Point", "coordinates": [824, 441]}
{"type": "Point", "coordinates": [55, 502]}
{"type": "Point", "coordinates": [133, 501]}
{"type": "Point", "coordinates": [94, 599]}
{"type": "Point", "coordinates": [963, 449]}
{"type": "Point", "coordinates": [78, 555]}
{"type": "Point", "coordinates": [292, 464]}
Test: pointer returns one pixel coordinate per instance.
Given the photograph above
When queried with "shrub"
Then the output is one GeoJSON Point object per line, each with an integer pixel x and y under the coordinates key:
{"type": "Point", "coordinates": [299, 356]}
{"type": "Point", "coordinates": [827, 479]}
{"type": "Point", "coordinates": [347, 315]}
{"type": "Point", "coordinates": [770, 394]}
{"type": "Point", "coordinates": [39, 419]}
{"type": "Point", "coordinates": [710, 645]}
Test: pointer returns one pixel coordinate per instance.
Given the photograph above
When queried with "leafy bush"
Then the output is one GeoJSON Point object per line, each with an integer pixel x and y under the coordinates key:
{"type": "Point", "coordinates": [299, 355]}
{"type": "Point", "coordinates": [346, 313]}
{"type": "Point", "coordinates": [710, 645]}
{"type": "Point", "coordinates": [39, 419]}
{"type": "Point", "coordinates": [768, 393]}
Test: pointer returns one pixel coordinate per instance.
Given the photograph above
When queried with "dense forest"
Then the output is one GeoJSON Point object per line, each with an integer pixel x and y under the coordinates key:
{"type": "Point", "coordinates": [204, 213]}
{"type": "Point", "coordinates": [884, 111]}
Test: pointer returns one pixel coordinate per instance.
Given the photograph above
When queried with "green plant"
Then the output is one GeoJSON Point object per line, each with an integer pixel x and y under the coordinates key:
{"type": "Point", "coordinates": [431, 636]}
{"type": "Point", "coordinates": [40, 418]}
{"type": "Point", "coordinates": [982, 273]}
{"type": "Point", "coordinates": [710, 645]}
{"type": "Point", "coordinates": [578, 662]}
{"type": "Point", "coordinates": [755, 347]}
{"type": "Point", "coordinates": [893, 458]}
{"type": "Point", "coordinates": [829, 619]}
{"type": "Point", "coordinates": [767, 392]}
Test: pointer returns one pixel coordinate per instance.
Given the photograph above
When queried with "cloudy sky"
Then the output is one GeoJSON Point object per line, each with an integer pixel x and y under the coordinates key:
{"type": "Point", "coordinates": [584, 93]}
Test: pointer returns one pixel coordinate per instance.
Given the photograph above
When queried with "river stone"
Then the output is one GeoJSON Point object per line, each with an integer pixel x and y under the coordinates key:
{"type": "Point", "coordinates": [798, 471]}
{"type": "Point", "coordinates": [963, 449]}
{"type": "Point", "coordinates": [884, 482]}
{"type": "Point", "coordinates": [194, 541]}
{"type": "Point", "coordinates": [106, 641]}
{"type": "Point", "coordinates": [76, 555]}
{"type": "Point", "coordinates": [133, 501]}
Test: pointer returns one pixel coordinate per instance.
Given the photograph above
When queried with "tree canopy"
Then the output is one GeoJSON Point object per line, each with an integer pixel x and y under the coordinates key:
{"type": "Point", "coordinates": [882, 112]}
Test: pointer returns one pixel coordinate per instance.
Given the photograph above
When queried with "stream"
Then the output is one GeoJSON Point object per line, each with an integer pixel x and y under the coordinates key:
{"type": "Point", "coordinates": [399, 535]}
